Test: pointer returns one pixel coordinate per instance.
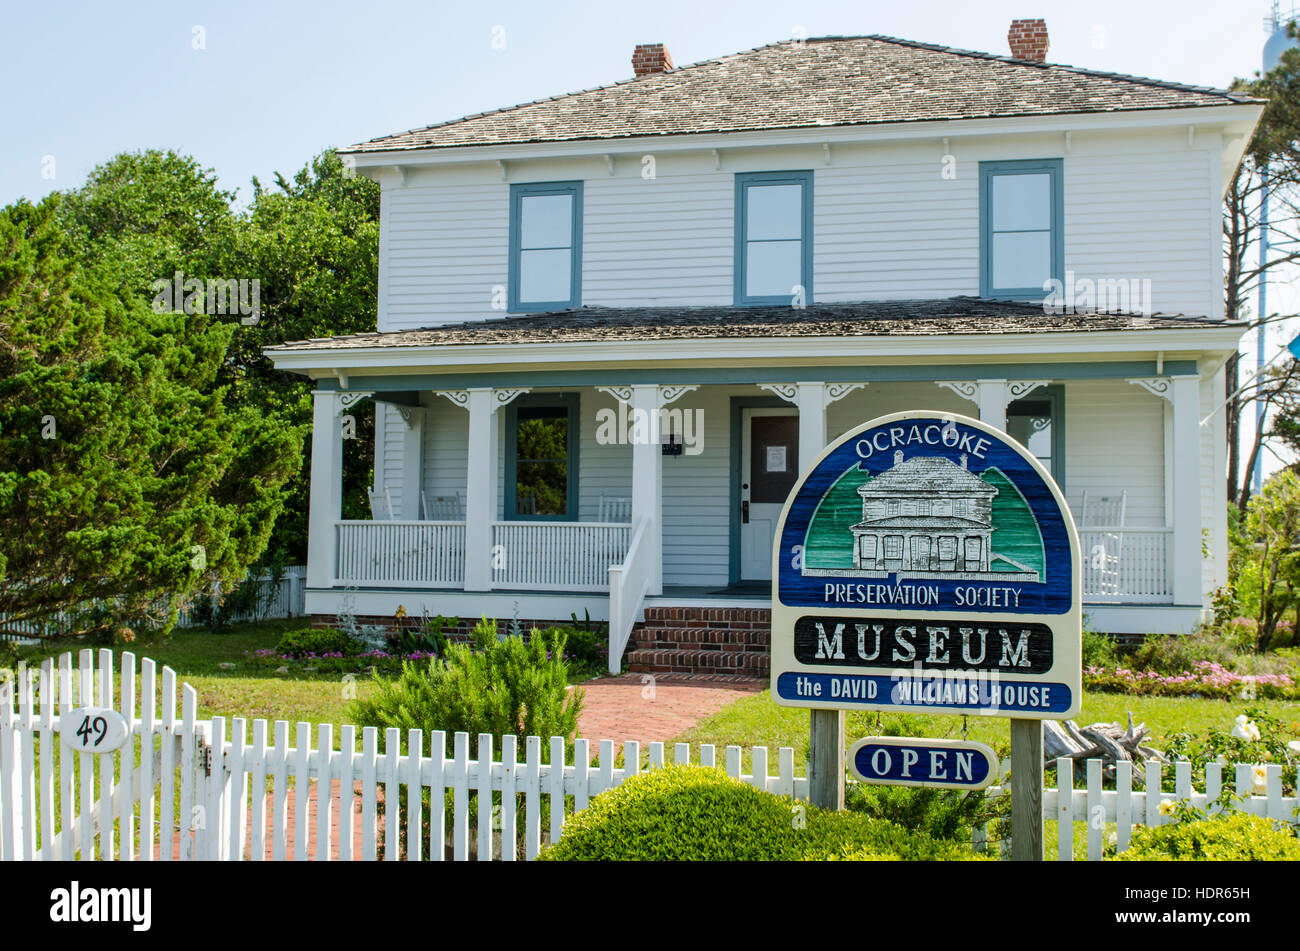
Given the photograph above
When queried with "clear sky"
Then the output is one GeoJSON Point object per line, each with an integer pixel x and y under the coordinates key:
{"type": "Point", "coordinates": [251, 88]}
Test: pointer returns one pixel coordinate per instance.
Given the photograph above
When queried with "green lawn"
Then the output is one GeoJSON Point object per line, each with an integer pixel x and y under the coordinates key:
{"type": "Point", "coordinates": [196, 656]}
{"type": "Point", "coordinates": [757, 721]}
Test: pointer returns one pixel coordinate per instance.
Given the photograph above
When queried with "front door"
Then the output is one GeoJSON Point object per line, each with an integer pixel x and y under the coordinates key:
{"type": "Point", "coordinates": [769, 468]}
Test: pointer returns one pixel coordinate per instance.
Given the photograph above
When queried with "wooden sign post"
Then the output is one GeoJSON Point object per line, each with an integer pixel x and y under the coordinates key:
{"type": "Point", "coordinates": [928, 562]}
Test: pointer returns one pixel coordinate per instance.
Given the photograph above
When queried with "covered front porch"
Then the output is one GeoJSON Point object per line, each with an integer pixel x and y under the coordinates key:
{"type": "Point", "coordinates": [467, 520]}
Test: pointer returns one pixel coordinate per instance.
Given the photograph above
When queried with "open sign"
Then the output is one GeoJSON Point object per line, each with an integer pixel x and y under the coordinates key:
{"type": "Point", "coordinates": [943, 764]}
{"type": "Point", "coordinates": [94, 729]}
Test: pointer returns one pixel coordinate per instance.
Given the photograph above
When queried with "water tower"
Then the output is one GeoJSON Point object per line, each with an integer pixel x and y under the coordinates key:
{"type": "Point", "coordinates": [1275, 25]}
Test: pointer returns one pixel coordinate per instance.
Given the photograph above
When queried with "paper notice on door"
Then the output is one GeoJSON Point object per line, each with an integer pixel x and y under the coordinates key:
{"type": "Point", "coordinates": [776, 458]}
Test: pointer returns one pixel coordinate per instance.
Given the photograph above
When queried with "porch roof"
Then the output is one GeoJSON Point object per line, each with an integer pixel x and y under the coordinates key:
{"type": "Point", "coordinates": [916, 318]}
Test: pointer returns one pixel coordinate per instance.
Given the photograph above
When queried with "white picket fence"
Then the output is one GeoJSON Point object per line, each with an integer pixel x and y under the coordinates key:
{"type": "Point", "coordinates": [284, 597]}
{"type": "Point", "coordinates": [182, 788]}
{"type": "Point", "coordinates": [1125, 807]}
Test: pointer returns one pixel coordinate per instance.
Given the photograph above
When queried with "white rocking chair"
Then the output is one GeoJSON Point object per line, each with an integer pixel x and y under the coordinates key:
{"type": "Point", "coordinates": [1103, 512]}
{"type": "Point", "coordinates": [615, 508]}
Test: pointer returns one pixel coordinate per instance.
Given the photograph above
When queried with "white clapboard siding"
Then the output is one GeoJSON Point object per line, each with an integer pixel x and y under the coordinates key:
{"type": "Point", "coordinates": [888, 223]}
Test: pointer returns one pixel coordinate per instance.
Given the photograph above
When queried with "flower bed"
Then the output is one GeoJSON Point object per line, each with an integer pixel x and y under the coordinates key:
{"type": "Point", "coordinates": [331, 662]}
{"type": "Point", "coordinates": [1205, 679]}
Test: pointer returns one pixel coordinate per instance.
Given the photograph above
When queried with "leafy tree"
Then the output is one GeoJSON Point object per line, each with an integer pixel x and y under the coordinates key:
{"type": "Point", "coordinates": [154, 213]}
{"type": "Point", "coordinates": [313, 243]}
{"type": "Point", "coordinates": [1273, 525]}
{"type": "Point", "coordinates": [1273, 153]}
{"type": "Point", "coordinates": [125, 478]}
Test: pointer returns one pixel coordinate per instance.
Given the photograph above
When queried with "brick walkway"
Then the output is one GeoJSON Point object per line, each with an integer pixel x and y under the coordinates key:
{"type": "Point", "coordinates": [614, 708]}
{"type": "Point", "coordinates": [627, 708]}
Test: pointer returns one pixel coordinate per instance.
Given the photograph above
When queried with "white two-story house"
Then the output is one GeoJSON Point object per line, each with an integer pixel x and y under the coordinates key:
{"type": "Point", "coordinates": [615, 325]}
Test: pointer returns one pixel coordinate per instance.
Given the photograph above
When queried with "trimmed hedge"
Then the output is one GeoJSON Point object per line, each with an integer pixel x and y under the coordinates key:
{"type": "Point", "coordinates": [696, 813]}
{"type": "Point", "coordinates": [1238, 837]}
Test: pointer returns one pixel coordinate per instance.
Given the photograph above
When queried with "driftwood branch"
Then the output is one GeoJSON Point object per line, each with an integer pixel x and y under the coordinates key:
{"type": "Point", "coordinates": [1108, 742]}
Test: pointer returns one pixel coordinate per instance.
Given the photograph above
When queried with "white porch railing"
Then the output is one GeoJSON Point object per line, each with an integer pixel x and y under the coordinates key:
{"type": "Point", "coordinates": [628, 584]}
{"type": "Point", "coordinates": [560, 556]}
{"type": "Point", "coordinates": [1126, 565]}
{"type": "Point", "coordinates": [384, 553]}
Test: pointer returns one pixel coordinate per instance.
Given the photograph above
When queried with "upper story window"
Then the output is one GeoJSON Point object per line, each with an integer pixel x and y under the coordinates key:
{"type": "Point", "coordinates": [545, 246]}
{"type": "Point", "coordinates": [774, 237]}
{"type": "Point", "coordinates": [1022, 237]}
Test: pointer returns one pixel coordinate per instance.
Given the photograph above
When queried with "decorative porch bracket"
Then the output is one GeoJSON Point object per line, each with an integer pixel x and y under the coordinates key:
{"type": "Point", "coordinates": [481, 475]}
{"type": "Point", "coordinates": [992, 396]}
{"type": "Point", "coordinates": [811, 398]}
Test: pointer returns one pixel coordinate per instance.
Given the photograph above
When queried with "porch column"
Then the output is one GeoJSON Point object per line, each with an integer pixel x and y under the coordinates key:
{"type": "Point", "coordinates": [1186, 560]}
{"type": "Point", "coordinates": [992, 396]}
{"type": "Point", "coordinates": [326, 488]}
{"type": "Point", "coordinates": [412, 460]}
{"type": "Point", "coordinates": [811, 398]}
{"type": "Point", "coordinates": [480, 487]}
{"type": "Point", "coordinates": [1183, 481]}
{"type": "Point", "coordinates": [647, 478]}
{"type": "Point", "coordinates": [992, 402]}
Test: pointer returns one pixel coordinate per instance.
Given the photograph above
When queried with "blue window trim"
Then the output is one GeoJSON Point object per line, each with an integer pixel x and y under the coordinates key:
{"type": "Point", "coordinates": [738, 406]}
{"type": "Point", "coordinates": [743, 181]}
{"type": "Point", "coordinates": [1054, 167]}
{"type": "Point", "coordinates": [517, 195]}
{"type": "Point", "coordinates": [567, 401]}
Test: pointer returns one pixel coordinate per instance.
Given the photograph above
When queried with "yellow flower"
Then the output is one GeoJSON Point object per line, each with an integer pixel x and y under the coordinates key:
{"type": "Point", "coordinates": [1167, 807]}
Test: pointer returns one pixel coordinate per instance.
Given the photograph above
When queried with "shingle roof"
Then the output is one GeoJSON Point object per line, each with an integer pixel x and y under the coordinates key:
{"type": "Point", "coordinates": [955, 315]}
{"type": "Point", "coordinates": [823, 82]}
{"type": "Point", "coordinates": [925, 474]}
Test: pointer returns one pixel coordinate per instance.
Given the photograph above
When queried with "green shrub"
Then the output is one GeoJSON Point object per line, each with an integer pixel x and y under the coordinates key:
{"type": "Point", "coordinates": [584, 650]}
{"type": "Point", "coordinates": [1098, 650]}
{"type": "Point", "coordinates": [1230, 837]}
{"type": "Point", "coordinates": [429, 638]}
{"type": "Point", "coordinates": [696, 813]}
{"type": "Point", "coordinates": [505, 687]}
{"type": "Point", "coordinates": [1176, 653]}
{"type": "Point", "coordinates": [318, 641]}
{"type": "Point", "coordinates": [940, 813]}
{"type": "Point", "coordinates": [1264, 741]}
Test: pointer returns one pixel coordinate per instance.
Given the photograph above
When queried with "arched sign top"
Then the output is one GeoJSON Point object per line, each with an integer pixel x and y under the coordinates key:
{"type": "Point", "coordinates": [927, 543]}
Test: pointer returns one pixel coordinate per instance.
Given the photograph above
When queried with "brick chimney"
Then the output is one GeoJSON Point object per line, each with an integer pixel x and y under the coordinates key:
{"type": "Point", "coordinates": [1028, 40]}
{"type": "Point", "coordinates": [650, 58]}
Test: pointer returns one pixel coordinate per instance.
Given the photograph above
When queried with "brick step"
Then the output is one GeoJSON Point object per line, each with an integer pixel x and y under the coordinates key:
{"type": "Point", "coordinates": [698, 662]}
{"type": "Point", "coordinates": [714, 615]}
{"type": "Point", "coordinates": [671, 637]}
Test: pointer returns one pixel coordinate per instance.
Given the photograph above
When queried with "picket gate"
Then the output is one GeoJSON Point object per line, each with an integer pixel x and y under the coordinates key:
{"type": "Point", "coordinates": [58, 803]}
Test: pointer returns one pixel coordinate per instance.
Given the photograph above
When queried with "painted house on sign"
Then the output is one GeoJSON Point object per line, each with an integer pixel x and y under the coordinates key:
{"type": "Point", "coordinates": [925, 514]}
{"type": "Point", "coordinates": [614, 326]}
